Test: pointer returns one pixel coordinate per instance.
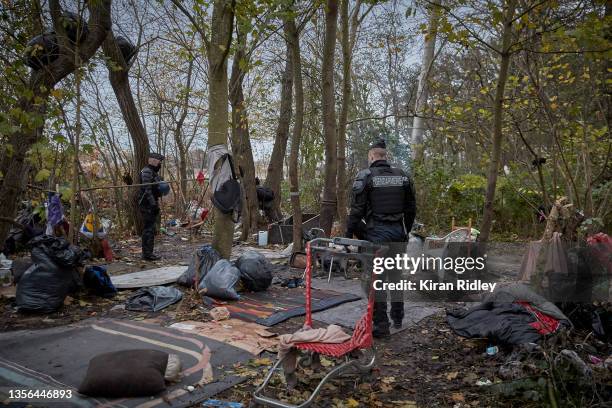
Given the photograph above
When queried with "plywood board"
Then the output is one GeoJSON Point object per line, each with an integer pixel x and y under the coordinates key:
{"type": "Point", "coordinates": [150, 277]}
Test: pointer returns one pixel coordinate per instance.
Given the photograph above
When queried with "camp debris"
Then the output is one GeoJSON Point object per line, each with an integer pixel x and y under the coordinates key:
{"type": "Point", "coordinates": [512, 315]}
{"type": "Point", "coordinates": [153, 299]}
{"type": "Point", "coordinates": [255, 271]}
{"type": "Point", "coordinates": [202, 261]}
{"type": "Point", "coordinates": [43, 287]}
{"type": "Point", "coordinates": [220, 281]}
{"type": "Point", "coordinates": [96, 279]}
{"type": "Point", "coordinates": [126, 373]}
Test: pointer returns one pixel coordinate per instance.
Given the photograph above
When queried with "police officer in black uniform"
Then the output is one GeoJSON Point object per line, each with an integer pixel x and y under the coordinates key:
{"type": "Point", "coordinates": [149, 204]}
{"type": "Point", "coordinates": [383, 208]}
{"type": "Point", "coordinates": [265, 198]}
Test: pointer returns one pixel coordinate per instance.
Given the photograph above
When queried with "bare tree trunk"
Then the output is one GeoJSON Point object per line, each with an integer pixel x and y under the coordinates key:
{"type": "Point", "coordinates": [346, 95]}
{"type": "Point", "coordinates": [179, 138]}
{"type": "Point", "coordinates": [218, 50]}
{"type": "Point", "coordinates": [40, 83]}
{"type": "Point", "coordinates": [498, 110]}
{"type": "Point", "coordinates": [119, 79]}
{"type": "Point", "coordinates": [418, 123]}
{"type": "Point", "coordinates": [74, 218]}
{"type": "Point", "coordinates": [349, 32]}
{"type": "Point", "coordinates": [241, 141]}
{"type": "Point", "coordinates": [328, 203]}
{"type": "Point", "coordinates": [296, 136]}
{"type": "Point", "coordinates": [277, 159]}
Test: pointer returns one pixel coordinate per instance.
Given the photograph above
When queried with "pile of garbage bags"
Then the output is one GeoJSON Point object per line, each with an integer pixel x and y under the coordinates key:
{"type": "Point", "coordinates": [218, 277]}
{"type": "Point", "coordinates": [44, 286]}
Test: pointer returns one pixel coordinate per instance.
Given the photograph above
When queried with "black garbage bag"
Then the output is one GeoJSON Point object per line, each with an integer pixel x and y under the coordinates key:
{"type": "Point", "coordinates": [20, 265]}
{"type": "Point", "coordinates": [153, 299]}
{"type": "Point", "coordinates": [31, 226]}
{"type": "Point", "coordinates": [205, 257]}
{"type": "Point", "coordinates": [128, 50]}
{"type": "Point", "coordinates": [41, 50]}
{"type": "Point", "coordinates": [58, 249]}
{"type": "Point", "coordinates": [255, 271]}
{"type": "Point", "coordinates": [44, 286]}
{"type": "Point", "coordinates": [220, 281]}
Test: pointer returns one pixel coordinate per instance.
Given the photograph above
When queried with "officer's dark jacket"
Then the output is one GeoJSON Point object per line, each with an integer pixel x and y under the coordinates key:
{"type": "Point", "coordinates": [149, 194]}
{"type": "Point", "coordinates": [381, 194]}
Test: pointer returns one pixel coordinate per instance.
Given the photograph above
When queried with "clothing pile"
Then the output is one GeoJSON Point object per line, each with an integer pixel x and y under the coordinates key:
{"type": "Point", "coordinates": [513, 314]}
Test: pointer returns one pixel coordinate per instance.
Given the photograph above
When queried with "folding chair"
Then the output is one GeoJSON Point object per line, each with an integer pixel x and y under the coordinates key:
{"type": "Point", "coordinates": [358, 351]}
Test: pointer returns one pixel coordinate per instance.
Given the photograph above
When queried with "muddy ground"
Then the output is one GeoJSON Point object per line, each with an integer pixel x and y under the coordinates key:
{"type": "Point", "coordinates": [426, 365]}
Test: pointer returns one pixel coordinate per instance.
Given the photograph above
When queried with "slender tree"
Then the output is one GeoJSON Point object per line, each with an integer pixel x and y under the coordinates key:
{"type": "Point", "coordinates": [293, 37]}
{"type": "Point", "coordinates": [498, 111]}
{"type": "Point", "coordinates": [328, 203]}
{"type": "Point", "coordinates": [418, 123]}
{"type": "Point", "coordinates": [241, 141]}
{"type": "Point", "coordinates": [218, 51]}
{"type": "Point", "coordinates": [349, 23]}
{"type": "Point", "coordinates": [277, 158]}
{"type": "Point", "coordinates": [120, 81]}
{"type": "Point", "coordinates": [217, 45]}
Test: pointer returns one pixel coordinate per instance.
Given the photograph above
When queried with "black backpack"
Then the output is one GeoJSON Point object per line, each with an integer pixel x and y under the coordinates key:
{"type": "Point", "coordinates": [228, 197]}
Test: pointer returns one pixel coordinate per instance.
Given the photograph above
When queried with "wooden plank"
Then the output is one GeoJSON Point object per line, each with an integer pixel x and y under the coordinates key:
{"type": "Point", "coordinates": [150, 277]}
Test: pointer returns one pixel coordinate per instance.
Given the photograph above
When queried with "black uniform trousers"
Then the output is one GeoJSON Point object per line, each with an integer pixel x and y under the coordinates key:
{"type": "Point", "coordinates": [394, 235]}
{"type": "Point", "coordinates": [149, 218]}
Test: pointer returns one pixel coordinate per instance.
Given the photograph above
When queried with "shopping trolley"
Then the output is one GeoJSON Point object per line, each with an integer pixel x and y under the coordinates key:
{"type": "Point", "coordinates": [358, 351]}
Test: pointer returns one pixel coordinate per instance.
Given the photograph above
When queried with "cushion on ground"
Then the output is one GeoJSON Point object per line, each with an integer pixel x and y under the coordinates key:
{"type": "Point", "coordinates": [126, 373]}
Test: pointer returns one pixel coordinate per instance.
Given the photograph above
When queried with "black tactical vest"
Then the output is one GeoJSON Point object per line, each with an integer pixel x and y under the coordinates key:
{"type": "Point", "coordinates": [387, 193]}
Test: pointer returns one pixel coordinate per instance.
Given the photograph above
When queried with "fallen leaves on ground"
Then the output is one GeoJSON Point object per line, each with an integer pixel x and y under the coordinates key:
{"type": "Point", "coordinates": [458, 397]}
{"type": "Point", "coordinates": [452, 376]}
{"type": "Point", "coordinates": [258, 362]}
{"type": "Point", "coordinates": [405, 404]}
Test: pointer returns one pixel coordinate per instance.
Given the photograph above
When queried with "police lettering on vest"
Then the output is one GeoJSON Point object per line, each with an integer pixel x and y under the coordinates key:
{"type": "Point", "coordinates": [387, 192]}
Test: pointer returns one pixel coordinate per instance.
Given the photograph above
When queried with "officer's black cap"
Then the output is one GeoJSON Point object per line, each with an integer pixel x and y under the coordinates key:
{"type": "Point", "coordinates": [379, 144]}
{"type": "Point", "coordinates": [157, 156]}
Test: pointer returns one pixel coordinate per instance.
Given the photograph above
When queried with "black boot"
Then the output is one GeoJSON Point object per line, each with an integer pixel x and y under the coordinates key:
{"type": "Point", "coordinates": [397, 314]}
{"type": "Point", "coordinates": [381, 321]}
{"type": "Point", "coordinates": [151, 257]}
{"type": "Point", "coordinates": [381, 331]}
